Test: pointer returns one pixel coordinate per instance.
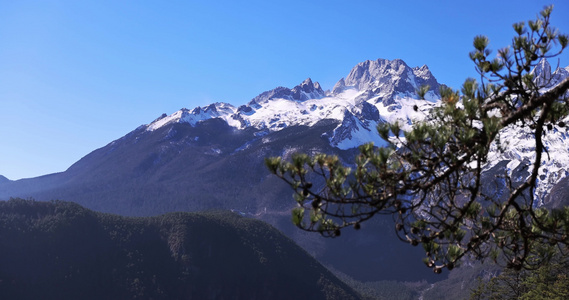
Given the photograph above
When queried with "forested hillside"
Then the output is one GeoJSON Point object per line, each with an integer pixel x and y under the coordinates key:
{"type": "Point", "coordinates": [60, 250]}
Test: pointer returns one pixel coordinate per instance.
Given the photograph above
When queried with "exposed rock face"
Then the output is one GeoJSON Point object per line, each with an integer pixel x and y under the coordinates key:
{"type": "Point", "coordinates": [344, 131]}
{"type": "Point", "coordinates": [368, 112]}
{"type": "Point", "coordinates": [339, 87]}
{"type": "Point", "coordinates": [388, 79]}
{"type": "Point", "coordinates": [424, 77]}
{"type": "Point", "coordinates": [307, 90]}
{"type": "Point", "coordinates": [542, 73]}
{"type": "Point", "coordinates": [304, 91]}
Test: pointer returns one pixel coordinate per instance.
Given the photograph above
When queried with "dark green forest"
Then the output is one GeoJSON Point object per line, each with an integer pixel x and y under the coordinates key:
{"type": "Point", "coordinates": [60, 250]}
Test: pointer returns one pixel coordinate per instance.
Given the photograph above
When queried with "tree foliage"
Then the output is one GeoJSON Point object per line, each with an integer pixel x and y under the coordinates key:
{"type": "Point", "coordinates": [430, 177]}
{"type": "Point", "coordinates": [549, 281]}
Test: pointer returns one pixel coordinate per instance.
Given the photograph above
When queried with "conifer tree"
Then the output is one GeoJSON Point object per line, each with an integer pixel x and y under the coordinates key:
{"type": "Point", "coordinates": [549, 281]}
{"type": "Point", "coordinates": [429, 178]}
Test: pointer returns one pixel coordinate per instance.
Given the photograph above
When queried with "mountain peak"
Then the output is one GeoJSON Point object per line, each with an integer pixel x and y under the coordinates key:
{"type": "Point", "coordinates": [307, 81]}
{"type": "Point", "coordinates": [307, 86]}
{"type": "Point", "coordinates": [302, 92]}
{"type": "Point", "coordinates": [307, 90]}
{"type": "Point", "coordinates": [184, 115]}
{"type": "Point", "coordinates": [542, 72]}
{"type": "Point", "coordinates": [388, 80]}
{"type": "Point", "coordinates": [545, 77]}
{"type": "Point", "coordinates": [339, 86]}
{"type": "Point", "coordinates": [423, 71]}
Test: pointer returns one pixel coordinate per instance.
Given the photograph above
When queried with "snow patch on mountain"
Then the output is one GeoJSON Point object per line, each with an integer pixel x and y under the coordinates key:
{"type": "Point", "coordinates": [198, 114]}
{"type": "Point", "coordinates": [372, 93]}
{"type": "Point", "coordinates": [389, 80]}
{"type": "Point", "coordinates": [304, 91]}
{"type": "Point", "coordinates": [357, 136]}
{"type": "Point", "coordinates": [517, 145]}
{"type": "Point", "coordinates": [375, 92]}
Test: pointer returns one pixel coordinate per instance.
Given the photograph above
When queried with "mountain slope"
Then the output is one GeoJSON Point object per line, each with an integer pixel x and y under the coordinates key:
{"type": "Point", "coordinates": [212, 158]}
{"type": "Point", "coordinates": [517, 148]}
{"type": "Point", "coordinates": [59, 250]}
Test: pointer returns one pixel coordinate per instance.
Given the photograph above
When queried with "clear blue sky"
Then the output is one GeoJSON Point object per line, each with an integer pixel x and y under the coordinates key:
{"type": "Point", "coordinates": [76, 75]}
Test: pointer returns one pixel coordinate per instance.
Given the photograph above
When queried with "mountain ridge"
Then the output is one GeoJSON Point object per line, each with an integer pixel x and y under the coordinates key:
{"type": "Point", "coordinates": [211, 157]}
{"type": "Point", "coordinates": [390, 86]}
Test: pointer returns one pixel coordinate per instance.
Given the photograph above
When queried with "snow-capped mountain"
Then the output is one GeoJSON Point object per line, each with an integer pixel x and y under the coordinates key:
{"type": "Point", "coordinates": [212, 158]}
{"type": "Point", "coordinates": [389, 80]}
{"type": "Point", "coordinates": [373, 92]}
{"type": "Point", "coordinates": [543, 75]}
{"type": "Point", "coordinates": [517, 149]}
{"type": "Point", "coordinates": [517, 144]}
